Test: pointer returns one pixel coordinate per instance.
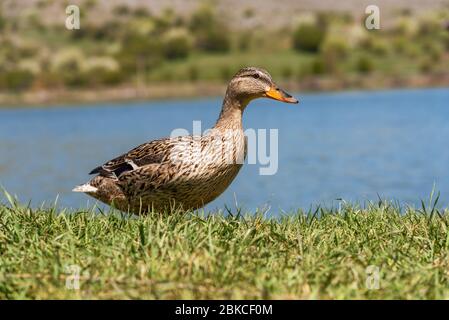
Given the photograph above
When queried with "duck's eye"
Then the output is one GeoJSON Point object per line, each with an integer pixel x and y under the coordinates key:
{"type": "Point", "coordinates": [256, 76]}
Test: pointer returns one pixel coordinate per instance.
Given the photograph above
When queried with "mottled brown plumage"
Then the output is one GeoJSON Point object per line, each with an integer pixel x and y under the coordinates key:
{"type": "Point", "coordinates": [189, 171]}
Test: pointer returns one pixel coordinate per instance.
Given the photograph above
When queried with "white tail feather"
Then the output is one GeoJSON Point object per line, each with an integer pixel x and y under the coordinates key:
{"type": "Point", "coordinates": [85, 188]}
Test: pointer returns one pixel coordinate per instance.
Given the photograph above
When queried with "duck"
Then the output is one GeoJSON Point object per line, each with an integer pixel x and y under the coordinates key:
{"type": "Point", "coordinates": [185, 172]}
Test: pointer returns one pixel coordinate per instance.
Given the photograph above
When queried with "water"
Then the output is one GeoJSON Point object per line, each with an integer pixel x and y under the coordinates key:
{"type": "Point", "coordinates": [352, 145]}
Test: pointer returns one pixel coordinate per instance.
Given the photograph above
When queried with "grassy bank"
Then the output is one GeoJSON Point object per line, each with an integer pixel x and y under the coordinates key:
{"type": "Point", "coordinates": [324, 255]}
{"type": "Point", "coordinates": [161, 91]}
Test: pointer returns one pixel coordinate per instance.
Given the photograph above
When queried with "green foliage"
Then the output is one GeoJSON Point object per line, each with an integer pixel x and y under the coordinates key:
{"type": "Point", "coordinates": [214, 40]}
{"type": "Point", "coordinates": [433, 50]}
{"type": "Point", "coordinates": [2, 21]}
{"type": "Point", "coordinates": [121, 10]}
{"type": "Point", "coordinates": [378, 46]}
{"type": "Point", "coordinates": [429, 26]}
{"type": "Point", "coordinates": [225, 73]}
{"type": "Point", "coordinates": [334, 51]}
{"type": "Point", "coordinates": [286, 72]}
{"type": "Point", "coordinates": [317, 66]}
{"type": "Point", "coordinates": [211, 34]}
{"type": "Point", "coordinates": [69, 65]}
{"type": "Point", "coordinates": [400, 45]}
{"type": "Point", "coordinates": [193, 73]}
{"type": "Point", "coordinates": [141, 12]}
{"type": "Point", "coordinates": [169, 46]}
{"type": "Point", "coordinates": [336, 46]}
{"type": "Point", "coordinates": [244, 41]}
{"type": "Point", "coordinates": [16, 80]}
{"type": "Point", "coordinates": [364, 64]}
{"type": "Point", "coordinates": [90, 4]}
{"type": "Point", "coordinates": [177, 43]}
{"type": "Point", "coordinates": [248, 13]}
{"type": "Point", "coordinates": [203, 19]}
{"type": "Point", "coordinates": [102, 71]}
{"type": "Point", "coordinates": [426, 65]}
{"type": "Point", "coordinates": [139, 52]}
{"type": "Point", "coordinates": [308, 37]}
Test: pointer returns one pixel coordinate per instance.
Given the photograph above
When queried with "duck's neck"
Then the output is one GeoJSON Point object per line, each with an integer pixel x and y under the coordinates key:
{"type": "Point", "coordinates": [231, 113]}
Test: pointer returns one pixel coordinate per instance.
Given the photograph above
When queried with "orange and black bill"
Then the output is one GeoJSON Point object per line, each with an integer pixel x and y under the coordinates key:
{"type": "Point", "coordinates": [278, 94]}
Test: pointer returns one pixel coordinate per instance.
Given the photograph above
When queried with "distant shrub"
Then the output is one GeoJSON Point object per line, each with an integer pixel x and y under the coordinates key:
{"type": "Point", "coordinates": [121, 10]}
{"type": "Point", "coordinates": [26, 50]}
{"type": "Point", "coordinates": [102, 70]}
{"type": "Point", "coordinates": [193, 73]}
{"type": "Point", "coordinates": [41, 4]}
{"type": "Point", "coordinates": [400, 45]}
{"type": "Point", "coordinates": [244, 41]}
{"type": "Point", "coordinates": [80, 33]}
{"type": "Point", "coordinates": [176, 43]}
{"type": "Point", "coordinates": [16, 80]}
{"type": "Point", "coordinates": [324, 19]}
{"type": "Point", "coordinates": [376, 46]}
{"type": "Point", "coordinates": [308, 37]}
{"type": "Point", "coordinates": [30, 65]}
{"type": "Point", "coordinates": [248, 13]}
{"type": "Point", "coordinates": [225, 73]}
{"type": "Point", "coordinates": [2, 21]}
{"type": "Point", "coordinates": [211, 35]}
{"type": "Point", "coordinates": [70, 59]}
{"type": "Point", "coordinates": [336, 46]}
{"type": "Point", "coordinates": [68, 65]}
{"type": "Point", "coordinates": [203, 19]}
{"type": "Point", "coordinates": [380, 48]}
{"type": "Point", "coordinates": [286, 72]}
{"type": "Point", "coordinates": [302, 71]}
{"type": "Point", "coordinates": [333, 51]}
{"type": "Point", "coordinates": [141, 12]}
{"type": "Point", "coordinates": [426, 65]}
{"type": "Point", "coordinates": [318, 66]}
{"type": "Point", "coordinates": [445, 39]}
{"type": "Point", "coordinates": [140, 27]}
{"type": "Point", "coordinates": [412, 50]}
{"type": "Point", "coordinates": [90, 4]}
{"type": "Point", "coordinates": [110, 30]}
{"type": "Point", "coordinates": [214, 40]}
{"type": "Point", "coordinates": [429, 26]}
{"type": "Point", "coordinates": [433, 50]}
{"type": "Point", "coordinates": [34, 21]}
{"type": "Point", "coordinates": [97, 31]}
{"type": "Point", "coordinates": [167, 75]}
{"type": "Point", "coordinates": [169, 19]}
{"type": "Point", "coordinates": [139, 52]}
{"type": "Point", "coordinates": [364, 64]}
{"type": "Point", "coordinates": [405, 26]}
{"type": "Point", "coordinates": [48, 79]}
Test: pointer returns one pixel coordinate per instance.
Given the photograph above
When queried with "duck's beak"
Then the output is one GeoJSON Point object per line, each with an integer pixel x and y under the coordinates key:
{"type": "Point", "coordinates": [277, 93]}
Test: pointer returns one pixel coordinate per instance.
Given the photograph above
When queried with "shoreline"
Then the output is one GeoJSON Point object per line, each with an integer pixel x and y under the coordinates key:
{"type": "Point", "coordinates": [192, 90]}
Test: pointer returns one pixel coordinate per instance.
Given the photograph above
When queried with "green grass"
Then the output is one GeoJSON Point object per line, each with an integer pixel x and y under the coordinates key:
{"type": "Point", "coordinates": [220, 67]}
{"type": "Point", "coordinates": [319, 255]}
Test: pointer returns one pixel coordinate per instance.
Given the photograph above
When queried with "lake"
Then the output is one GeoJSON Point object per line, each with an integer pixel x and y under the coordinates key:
{"type": "Point", "coordinates": [350, 145]}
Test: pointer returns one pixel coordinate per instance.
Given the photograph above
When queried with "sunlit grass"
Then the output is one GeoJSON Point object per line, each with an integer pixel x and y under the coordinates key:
{"type": "Point", "coordinates": [322, 254]}
{"type": "Point", "coordinates": [220, 67]}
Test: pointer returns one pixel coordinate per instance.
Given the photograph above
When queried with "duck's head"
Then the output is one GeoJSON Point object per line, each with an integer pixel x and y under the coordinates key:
{"type": "Point", "coordinates": [252, 83]}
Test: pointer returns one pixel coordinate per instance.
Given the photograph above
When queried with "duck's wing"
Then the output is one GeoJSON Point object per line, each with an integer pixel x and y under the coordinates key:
{"type": "Point", "coordinates": [151, 152]}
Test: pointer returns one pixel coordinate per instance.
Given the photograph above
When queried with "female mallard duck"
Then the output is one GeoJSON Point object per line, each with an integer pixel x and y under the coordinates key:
{"type": "Point", "coordinates": [187, 171]}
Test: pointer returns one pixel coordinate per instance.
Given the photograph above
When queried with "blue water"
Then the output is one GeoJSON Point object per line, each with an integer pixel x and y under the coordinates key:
{"type": "Point", "coordinates": [351, 145]}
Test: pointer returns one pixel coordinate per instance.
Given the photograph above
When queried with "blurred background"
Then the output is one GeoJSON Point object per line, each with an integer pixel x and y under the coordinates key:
{"type": "Point", "coordinates": [371, 123]}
